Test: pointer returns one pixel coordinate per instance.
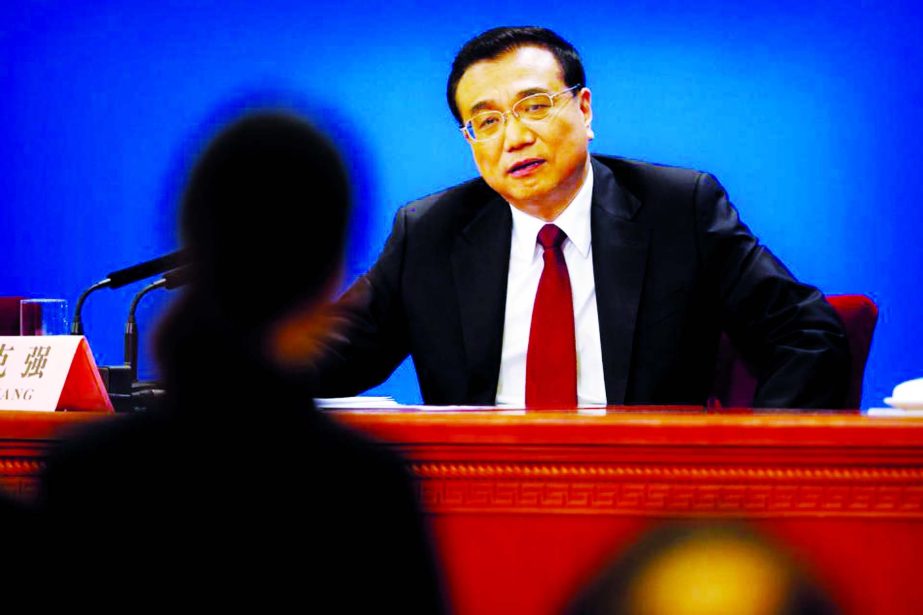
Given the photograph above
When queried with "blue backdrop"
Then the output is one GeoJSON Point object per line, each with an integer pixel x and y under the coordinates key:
{"type": "Point", "coordinates": [808, 113]}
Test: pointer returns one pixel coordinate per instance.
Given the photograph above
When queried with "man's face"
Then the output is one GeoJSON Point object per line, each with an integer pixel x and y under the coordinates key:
{"type": "Point", "coordinates": [537, 166]}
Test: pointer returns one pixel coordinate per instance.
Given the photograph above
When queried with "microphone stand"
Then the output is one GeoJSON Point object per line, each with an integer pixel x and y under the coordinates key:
{"type": "Point", "coordinates": [131, 329]}
{"type": "Point", "coordinates": [144, 394]}
{"type": "Point", "coordinates": [128, 275]}
{"type": "Point", "coordinates": [119, 379]}
{"type": "Point", "coordinates": [77, 322]}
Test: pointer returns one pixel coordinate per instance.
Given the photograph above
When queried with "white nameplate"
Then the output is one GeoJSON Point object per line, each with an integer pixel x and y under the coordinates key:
{"type": "Point", "coordinates": [48, 373]}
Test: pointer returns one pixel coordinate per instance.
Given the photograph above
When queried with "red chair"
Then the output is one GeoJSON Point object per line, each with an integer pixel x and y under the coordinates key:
{"type": "Point", "coordinates": [9, 315]}
{"type": "Point", "coordinates": [735, 383]}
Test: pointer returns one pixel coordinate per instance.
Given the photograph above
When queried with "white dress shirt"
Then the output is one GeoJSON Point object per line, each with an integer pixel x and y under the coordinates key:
{"type": "Point", "coordinates": [526, 264]}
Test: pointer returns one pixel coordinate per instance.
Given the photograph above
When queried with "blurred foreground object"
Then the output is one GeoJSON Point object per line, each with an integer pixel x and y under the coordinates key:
{"type": "Point", "coordinates": [703, 569]}
{"type": "Point", "coordinates": [236, 491]}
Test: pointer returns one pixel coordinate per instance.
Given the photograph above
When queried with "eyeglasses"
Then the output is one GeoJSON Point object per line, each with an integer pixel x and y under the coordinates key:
{"type": "Point", "coordinates": [488, 125]}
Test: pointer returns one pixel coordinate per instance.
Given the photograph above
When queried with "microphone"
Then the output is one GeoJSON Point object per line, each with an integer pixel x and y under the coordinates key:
{"type": "Point", "coordinates": [178, 277]}
{"type": "Point", "coordinates": [121, 277]}
{"type": "Point", "coordinates": [172, 279]}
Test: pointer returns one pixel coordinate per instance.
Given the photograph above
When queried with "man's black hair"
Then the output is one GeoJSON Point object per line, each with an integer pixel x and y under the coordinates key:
{"type": "Point", "coordinates": [498, 41]}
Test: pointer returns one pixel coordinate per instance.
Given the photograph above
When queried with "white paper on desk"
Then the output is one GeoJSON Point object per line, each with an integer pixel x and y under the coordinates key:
{"type": "Point", "coordinates": [356, 402]}
{"type": "Point", "coordinates": [907, 395]}
{"type": "Point", "coordinates": [894, 412]}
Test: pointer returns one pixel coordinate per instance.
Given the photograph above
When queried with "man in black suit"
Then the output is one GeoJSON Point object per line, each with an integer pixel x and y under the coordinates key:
{"type": "Point", "coordinates": [654, 258]}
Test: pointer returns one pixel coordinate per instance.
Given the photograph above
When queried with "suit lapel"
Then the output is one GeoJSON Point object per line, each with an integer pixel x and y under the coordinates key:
{"type": "Point", "coordinates": [619, 256]}
{"type": "Point", "coordinates": [480, 265]}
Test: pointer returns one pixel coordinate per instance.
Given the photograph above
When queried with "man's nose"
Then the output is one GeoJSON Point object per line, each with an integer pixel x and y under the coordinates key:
{"type": "Point", "coordinates": [516, 134]}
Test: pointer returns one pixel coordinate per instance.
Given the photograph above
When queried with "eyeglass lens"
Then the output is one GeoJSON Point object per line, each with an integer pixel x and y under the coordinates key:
{"type": "Point", "coordinates": [487, 124]}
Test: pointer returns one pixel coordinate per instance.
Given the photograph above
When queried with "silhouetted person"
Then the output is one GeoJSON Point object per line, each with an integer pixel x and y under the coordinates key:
{"type": "Point", "coordinates": [702, 569]}
{"type": "Point", "coordinates": [237, 490]}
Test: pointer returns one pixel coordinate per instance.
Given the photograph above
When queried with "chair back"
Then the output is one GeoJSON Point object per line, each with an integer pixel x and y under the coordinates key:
{"type": "Point", "coordinates": [735, 381]}
{"type": "Point", "coordinates": [9, 315]}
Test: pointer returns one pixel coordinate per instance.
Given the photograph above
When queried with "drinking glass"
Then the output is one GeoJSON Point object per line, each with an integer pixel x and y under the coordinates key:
{"type": "Point", "coordinates": [43, 317]}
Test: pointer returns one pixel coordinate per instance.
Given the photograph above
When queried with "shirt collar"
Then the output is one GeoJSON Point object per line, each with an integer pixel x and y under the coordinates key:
{"type": "Point", "coordinates": [574, 221]}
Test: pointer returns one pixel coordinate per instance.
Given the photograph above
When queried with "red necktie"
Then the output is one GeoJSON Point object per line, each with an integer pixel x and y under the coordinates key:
{"type": "Point", "coordinates": [551, 363]}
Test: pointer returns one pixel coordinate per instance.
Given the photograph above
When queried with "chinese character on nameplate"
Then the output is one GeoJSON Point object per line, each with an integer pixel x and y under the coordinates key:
{"type": "Point", "coordinates": [4, 355]}
{"type": "Point", "coordinates": [36, 361]}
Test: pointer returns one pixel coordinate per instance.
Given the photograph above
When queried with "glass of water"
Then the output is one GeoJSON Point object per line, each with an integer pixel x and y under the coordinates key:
{"type": "Point", "coordinates": [43, 317]}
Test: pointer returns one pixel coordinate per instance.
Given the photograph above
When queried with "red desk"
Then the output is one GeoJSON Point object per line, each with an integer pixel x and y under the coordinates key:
{"type": "Point", "coordinates": [526, 507]}
{"type": "Point", "coordinates": [26, 439]}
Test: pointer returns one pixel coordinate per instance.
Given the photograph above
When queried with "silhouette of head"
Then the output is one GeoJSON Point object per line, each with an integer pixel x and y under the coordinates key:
{"type": "Point", "coordinates": [264, 218]}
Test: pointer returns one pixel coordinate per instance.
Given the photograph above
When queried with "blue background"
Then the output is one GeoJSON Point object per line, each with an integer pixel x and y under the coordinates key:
{"type": "Point", "coordinates": [808, 113]}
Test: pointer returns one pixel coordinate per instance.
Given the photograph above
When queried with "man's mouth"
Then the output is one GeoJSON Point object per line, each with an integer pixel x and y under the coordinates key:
{"type": "Point", "coordinates": [525, 167]}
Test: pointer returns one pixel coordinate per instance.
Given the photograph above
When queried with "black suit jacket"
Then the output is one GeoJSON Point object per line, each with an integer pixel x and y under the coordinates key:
{"type": "Point", "coordinates": [674, 266]}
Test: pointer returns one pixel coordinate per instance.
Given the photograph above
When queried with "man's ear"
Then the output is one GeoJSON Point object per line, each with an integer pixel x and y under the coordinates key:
{"type": "Point", "coordinates": [585, 99]}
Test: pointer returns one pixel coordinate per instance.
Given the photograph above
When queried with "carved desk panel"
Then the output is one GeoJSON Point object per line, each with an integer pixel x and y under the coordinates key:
{"type": "Point", "coordinates": [527, 506]}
